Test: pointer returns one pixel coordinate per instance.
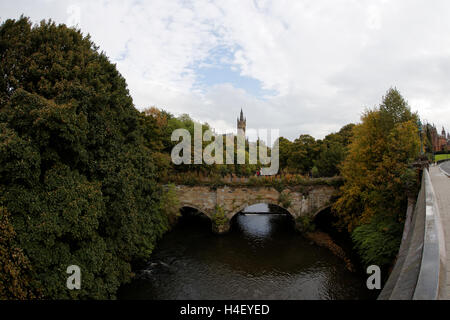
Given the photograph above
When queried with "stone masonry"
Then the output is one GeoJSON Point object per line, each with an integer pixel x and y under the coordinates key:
{"type": "Point", "coordinates": [220, 204]}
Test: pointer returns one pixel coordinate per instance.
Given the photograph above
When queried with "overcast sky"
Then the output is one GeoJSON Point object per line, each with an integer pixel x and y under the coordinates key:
{"type": "Point", "coordinates": [303, 66]}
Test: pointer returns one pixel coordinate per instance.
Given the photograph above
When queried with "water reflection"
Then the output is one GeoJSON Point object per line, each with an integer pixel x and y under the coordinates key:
{"type": "Point", "coordinates": [256, 227]}
{"type": "Point", "coordinates": [261, 258]}
{"type": "Point", "coordinates": [257, 208]}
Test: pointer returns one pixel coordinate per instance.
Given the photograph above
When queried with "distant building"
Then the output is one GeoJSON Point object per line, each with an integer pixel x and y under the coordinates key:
{"type": "Point", "coordinates": [441, 142]}
{"type": "Point", "coordinates": [241, 122]}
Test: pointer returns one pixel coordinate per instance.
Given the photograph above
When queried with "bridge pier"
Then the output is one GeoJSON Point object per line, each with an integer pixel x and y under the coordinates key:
{"type": "Point", "coordinates": [221, 228]}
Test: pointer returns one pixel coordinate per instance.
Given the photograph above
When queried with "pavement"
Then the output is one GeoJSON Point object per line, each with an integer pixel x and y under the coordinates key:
{"type": "Point", "coordinates": [441, 186]}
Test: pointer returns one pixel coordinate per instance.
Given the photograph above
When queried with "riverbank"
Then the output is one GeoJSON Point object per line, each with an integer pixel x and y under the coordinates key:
{"type": "Point", "coordinates": [325, 240]}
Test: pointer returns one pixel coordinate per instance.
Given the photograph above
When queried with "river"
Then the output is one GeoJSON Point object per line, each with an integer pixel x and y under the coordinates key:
{"type": "Point", "coordinates": [262, 257]}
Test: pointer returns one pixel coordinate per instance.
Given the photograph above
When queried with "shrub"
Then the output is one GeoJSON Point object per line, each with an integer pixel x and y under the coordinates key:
{"type": "Point", "coordinates": [284, 199]}
{"type": "Point", "coordinates": [305, 224]}
{"type": "Point", "coordinates": [169, 204]}
{"type": "Point", "coordinates": [378, 242]}
{"type": "Point", "coordinates": [219, 218]}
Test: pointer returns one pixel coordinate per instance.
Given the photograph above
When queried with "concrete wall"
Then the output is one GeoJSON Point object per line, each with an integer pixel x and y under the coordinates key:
{"type": "Point", "coordinates": [419, 272]}
{"type": "Point", "coordinates": [224, 202]}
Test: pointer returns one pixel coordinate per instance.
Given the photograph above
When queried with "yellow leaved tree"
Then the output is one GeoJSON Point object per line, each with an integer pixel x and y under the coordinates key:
{"type": "Point", "coordinates": [377, 173]}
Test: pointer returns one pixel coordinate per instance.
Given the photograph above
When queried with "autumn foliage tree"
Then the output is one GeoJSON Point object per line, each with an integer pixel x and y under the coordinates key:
{"type": "Point", "coordinates": [377, 176]}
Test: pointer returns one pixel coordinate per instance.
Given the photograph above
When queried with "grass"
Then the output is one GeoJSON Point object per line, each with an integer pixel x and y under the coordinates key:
{"type": "Point", "coordinates": [439, 157]}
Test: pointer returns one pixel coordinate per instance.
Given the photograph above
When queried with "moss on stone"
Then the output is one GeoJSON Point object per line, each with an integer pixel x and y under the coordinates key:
{"type": "Point", "coordinates": [284, 199]}
{"type": "Point", "coordinates": [220, 220]}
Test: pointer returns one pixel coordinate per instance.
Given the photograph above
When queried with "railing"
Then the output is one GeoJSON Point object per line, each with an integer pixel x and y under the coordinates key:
{"type": "Point", "coordinates": [419, 273]}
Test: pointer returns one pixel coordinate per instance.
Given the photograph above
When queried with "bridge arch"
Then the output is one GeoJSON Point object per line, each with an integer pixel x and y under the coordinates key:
{"type": "Point", "coordinates": [199, 209]}
{"type": "Point", "coordinates": [323, 208]}
{"type": "Point", "coordinates": [242, 207]}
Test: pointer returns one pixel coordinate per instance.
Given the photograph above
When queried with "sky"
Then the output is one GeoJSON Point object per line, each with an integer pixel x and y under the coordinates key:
{"type": "Point", "coordinates": [300, 66]}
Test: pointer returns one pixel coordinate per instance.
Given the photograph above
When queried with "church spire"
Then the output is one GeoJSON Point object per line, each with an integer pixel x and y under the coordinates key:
{"type": "Point", "coordinates": [241, 122]}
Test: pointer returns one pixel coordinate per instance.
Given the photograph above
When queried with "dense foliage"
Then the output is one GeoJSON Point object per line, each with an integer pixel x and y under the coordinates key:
{"type": "Point", "coordinates": [77, 166]}
{"type": "Point", "coordinates": [305, 155]}
{"type": "Point", "coordinates": [319, 158]}
{"type": "Point", "coordinates": [378, 178]}
{"type": "Point", "coordinates": [167, 123]}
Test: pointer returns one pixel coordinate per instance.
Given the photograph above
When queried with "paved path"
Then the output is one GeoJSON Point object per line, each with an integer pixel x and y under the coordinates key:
{"type": "Point", "coordinates": [441, 186]}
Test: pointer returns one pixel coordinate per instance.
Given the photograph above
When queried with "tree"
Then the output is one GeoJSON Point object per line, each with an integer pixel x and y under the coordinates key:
{"type": "Point", "coordinates": [304, 151]}
{"type": "Point", "coordinates": [333, 151]}
{"type": "Point", "coordinates": [377, 173]}
{"type": "Point", "coordinates": [285, 152]}
{"type": "Point", "coordinates": [77, 163]}
{"type": "Point", "coordinates": [329, 159]}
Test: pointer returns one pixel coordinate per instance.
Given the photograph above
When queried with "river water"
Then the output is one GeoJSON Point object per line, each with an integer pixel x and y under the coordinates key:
{"type": "Point", "coordinates": [262, 257]}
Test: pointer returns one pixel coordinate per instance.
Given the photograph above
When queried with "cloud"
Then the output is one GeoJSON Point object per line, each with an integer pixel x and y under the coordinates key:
{"type": "Point", "coordinates": [318, 63]}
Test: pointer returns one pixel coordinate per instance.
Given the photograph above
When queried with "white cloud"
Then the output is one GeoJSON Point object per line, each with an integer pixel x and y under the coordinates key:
{"type": "Point", "coordinates": [325, 60]}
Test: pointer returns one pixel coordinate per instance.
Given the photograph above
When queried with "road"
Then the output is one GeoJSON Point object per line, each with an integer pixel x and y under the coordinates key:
{"type": "Point", "coordinates": [441, 186]}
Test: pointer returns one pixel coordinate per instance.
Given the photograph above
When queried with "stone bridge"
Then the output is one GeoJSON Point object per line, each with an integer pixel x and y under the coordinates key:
{"type": "Point", "coordinates": [220, 204]}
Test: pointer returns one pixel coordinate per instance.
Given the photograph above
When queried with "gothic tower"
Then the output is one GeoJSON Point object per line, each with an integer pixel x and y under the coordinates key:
{"type": "Point", "coordinates": [241, 122]}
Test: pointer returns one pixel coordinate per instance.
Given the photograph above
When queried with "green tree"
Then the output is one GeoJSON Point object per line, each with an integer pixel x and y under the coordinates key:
{"type": "Point", "coordinates": [329, 159]}
{"type": "Point", "coordinates": [285, 151]}
{"type": "Point", "coordinates": [304, 151]}
{"type": "Point", "coordinates": [77, 163]}
{"type": "Point", "coordinates": [333, 151]}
